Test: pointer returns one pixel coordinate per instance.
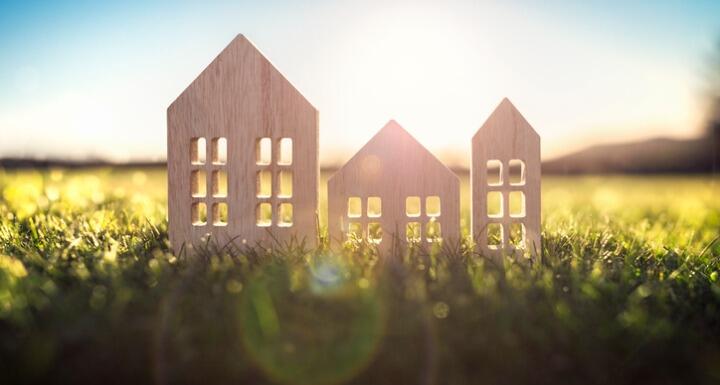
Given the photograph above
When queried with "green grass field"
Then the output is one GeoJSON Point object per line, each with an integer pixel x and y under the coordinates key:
{"type": "Point", "coordinates": [627, 292]}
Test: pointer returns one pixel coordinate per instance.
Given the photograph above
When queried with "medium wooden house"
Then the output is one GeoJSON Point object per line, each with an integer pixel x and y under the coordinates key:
{"type": "Point", "coordinates": [393, 192]}
{"type": "Point", "coordinates": [505, 178]}
{"type": "Point", "coordinates": [242, 155]}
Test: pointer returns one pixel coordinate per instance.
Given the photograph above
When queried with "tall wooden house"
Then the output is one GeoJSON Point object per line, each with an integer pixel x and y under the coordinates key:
{"type": "Point", "coordinates": [242, 154]}
{"type": "Point", "coordinates": [505, 178]}
{"type": "Point", "coordinates": [393, 192]}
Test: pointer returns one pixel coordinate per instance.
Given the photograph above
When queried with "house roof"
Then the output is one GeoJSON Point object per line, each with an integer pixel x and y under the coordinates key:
{"type": "Point", "coordinates": [393, 144]}
{"type": "Point", "coordinates": [228, 60]}
{"type": "Point", "coordinates": [505, 117]}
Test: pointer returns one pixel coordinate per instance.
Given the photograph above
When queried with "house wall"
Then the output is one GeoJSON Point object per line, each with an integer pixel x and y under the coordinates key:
{"type": "Point", "coordinates": [393, 166]}
{"type": "Point", "coordinates": [242, 97]}
{"type": "Point", "coordinates": [505, 136]}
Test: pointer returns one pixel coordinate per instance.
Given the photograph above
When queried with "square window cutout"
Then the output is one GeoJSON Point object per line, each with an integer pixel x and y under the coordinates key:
{"type": "Point", "coordinates": [198, 183]}
{"type": "Point", "coordinates": [494, 172]}
{"type": "Point", "coordinates": [219, 184]}
{"type": "Point", "coordinates": [412, 206]}
{"type": "Point", "coordinates": [285, 184]}
{"type": "Point", "coordinates": [374, 207]}
{"type": "Point", "coordinates": [413, 232]}
{"type": "Point", "coordinates": [263, 215]}
{"type": "Point", "coordinates": [264, 184]}
{"type": "Point", "coordinates": [263, 151]}
{"type": "Point", "coordinates": [285, 150]}
{"type": "Point", "coordinates": [198, 214]}
{"type": "Point", "coordinates": [494, 204]}
{"type": "Point", "coordinates": [220, 214]}
{"type": "Point", "coordinates": [517, 172]}
{"type": "Point", "coordinates": [198, 150]}
{"type": "Point", "coordinates": [219, 151]}
{"type": "Point", "coordinates": [432, 206]}
{"type": "Point", "coordinates": [285, 215]}
{"type": "Point", "coordinates": [355, 231]}
{"type": "Point", "coordinates": [516, 237]}
{"type": "Point", "coordinates": [432, 231]}
{"type": "Point", "coordinates": [494, 236]}
{"type": "Point", "coordinates": [375, 232]}
{"type": "Point", "coordinates": [354, 207]}
{"type": "Point", "coordinates": [516, 203]}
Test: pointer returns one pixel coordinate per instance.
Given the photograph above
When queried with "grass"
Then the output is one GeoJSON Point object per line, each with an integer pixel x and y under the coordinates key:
{"type": "Point", "coordinates": [627, 292]}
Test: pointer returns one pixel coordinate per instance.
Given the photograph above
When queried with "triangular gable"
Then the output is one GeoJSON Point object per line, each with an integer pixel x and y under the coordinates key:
{"type": "Point", "coordinates": [393, 133]}
{"type": "Point", "coordinates": [236, 52]}
{"type": "Point", "coordinates": [507, 118]}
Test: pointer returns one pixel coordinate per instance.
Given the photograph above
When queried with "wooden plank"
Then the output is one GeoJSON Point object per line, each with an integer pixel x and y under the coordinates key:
{"type": "Point", "coordinates": [240, 96]}
{"type": "Point", "coordinates": [393, 166]}
{"type": "Point", "coordinates": [506, 136]}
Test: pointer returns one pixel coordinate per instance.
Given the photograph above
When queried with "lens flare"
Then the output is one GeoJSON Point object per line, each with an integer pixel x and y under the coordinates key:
{"type": "Point", "coordinates": [324, 332]}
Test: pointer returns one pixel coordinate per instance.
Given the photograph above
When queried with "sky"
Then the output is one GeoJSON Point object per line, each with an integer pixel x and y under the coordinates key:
{"type": "Point", "coordinates": [94, 79]}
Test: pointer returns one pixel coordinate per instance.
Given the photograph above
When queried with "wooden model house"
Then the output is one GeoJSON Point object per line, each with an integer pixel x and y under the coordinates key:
{"type": "Point", "coordinates": [393, 192]}
{"type": "Point", "coordinates": [505, 178]}
{"type": "Point", "coordinates": [242, 155]}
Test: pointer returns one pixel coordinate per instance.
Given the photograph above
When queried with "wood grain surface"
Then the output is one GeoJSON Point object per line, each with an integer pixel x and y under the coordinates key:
{"type": "Point", "coordinates": [242, 97]}
{"type": "Point", "coordinates": [393, 166]}
{"type": "Point", "coordinates": [504, 137]}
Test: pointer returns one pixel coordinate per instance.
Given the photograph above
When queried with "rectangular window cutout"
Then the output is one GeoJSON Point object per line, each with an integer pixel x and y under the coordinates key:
{"type": "Point", "coordinates": [432, 231]}
{"type": "Point", "coordinates": [516, 236]}
{"type": "Point", "coordinates": [355, 231]}
{"type": "Point", "coordinates": [285, 184]}
{"type": "Point", "coordinates": [263, 214]}
{"type": "Point", "coordinates": [374, 207]}
{"type": "Point", "coordinates": [516, 168]}
{"type": "Point", "coordinates": [494, 204]}
{"type": "Point", "coordinates": [219, 151]}
{"type": "Point", "coordinates": [412, 206]}
{"type": "Point", "coordinates": [354, 207]}
{"type": "Point", "coordinates": [285, 215]}
{"type": "Point", "coordinates": [219, 184]}
{"type": "Point", "coordinates": [516, 201]}
{"type": "Point", "coordinates": [264, 184]}
{"type": "Point", "coordinates": [413, 232]}
{"type": "Point", "coordinates": [263, 151]}
{"type": "Point", "coordinates": [198, 183]}
{"type": "Point", "coordinates": [494, 236]}
{"type": "Point", "coordinates": [432, 206]}
{"type": "Point", "coordinates": [285, 147]}
{"type": "Point", "coordinates": [220, 214]}
{"type": "Point", "coordinates": [197, 150]}
{"type": "Point", "coordinates": [375, 233]}
{"type": "Point", "coordinates": [198, 214]}
{"type": "Point", "coordinates": [494, 173]}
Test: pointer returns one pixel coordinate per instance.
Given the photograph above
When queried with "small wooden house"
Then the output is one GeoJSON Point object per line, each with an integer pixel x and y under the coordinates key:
{"type": "Point", "coordinates": [393, 192]}
{"type": "Point", "coordinates": [242, 155]}
{"type": "Point", "coordinates": [505, 178]}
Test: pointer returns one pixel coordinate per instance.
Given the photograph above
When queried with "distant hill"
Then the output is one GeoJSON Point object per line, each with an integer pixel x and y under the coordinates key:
{"type": "Point", "coordinates": [652, 156]}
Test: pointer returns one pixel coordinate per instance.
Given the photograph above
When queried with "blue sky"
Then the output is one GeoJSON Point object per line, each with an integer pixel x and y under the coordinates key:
{"type": "Point", "coordinates": [81, 79]}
